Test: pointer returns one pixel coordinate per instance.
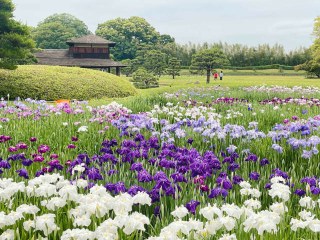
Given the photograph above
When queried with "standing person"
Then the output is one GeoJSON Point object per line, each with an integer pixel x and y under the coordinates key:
{"type": "Point", "coordinates": [215, 76]}
{"type": "Point", "coordinates": [221, 75]}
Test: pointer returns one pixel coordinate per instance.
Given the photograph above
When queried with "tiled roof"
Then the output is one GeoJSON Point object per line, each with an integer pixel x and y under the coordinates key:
{"type": "Point", "coordinates": [91, 39]}
{"type": "Point", "coordinates": [60, 57]}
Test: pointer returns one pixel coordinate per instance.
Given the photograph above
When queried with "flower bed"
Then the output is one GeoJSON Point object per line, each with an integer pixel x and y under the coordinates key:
{"type": "Point", "coordinates": [180, 171]}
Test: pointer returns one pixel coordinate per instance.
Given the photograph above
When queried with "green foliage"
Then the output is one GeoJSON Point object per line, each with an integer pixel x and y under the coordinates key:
{"type": "Point", "coordinates": [143, 79]}
{"type": "Point", "coordinates": [15, 39]}
{"type": "Point", "coordinates": [132, 66]}
{"type": "Point", "coordinates": [55, 30]}
{"type": "Point", "coordinates": [134, 36]}
{"type": "Point", "coordinates": [173, 67]}
{"type": "Point", "coordinates": [313, 66]}
{"type": "Point", "coordinates": [209, 59]}
{"type": "Point", "coordinates": [263, 67]}
{"type": "Point", "coordinates": [53, 82]}
{"type": "Point", "coordinates": [154, 62]}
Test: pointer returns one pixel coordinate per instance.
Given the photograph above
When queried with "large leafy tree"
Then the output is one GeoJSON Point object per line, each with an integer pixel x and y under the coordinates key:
{"type": "Point", "coordinates": [15, 40]}
{"type": "Point", "coordinates": [55, 30]}
{"type": "Point", "coordinates": [313, 66]}
{"type": "Point", "coordinates": [130, 34]}
{"type": "Point", "coordinates": [208, 59]}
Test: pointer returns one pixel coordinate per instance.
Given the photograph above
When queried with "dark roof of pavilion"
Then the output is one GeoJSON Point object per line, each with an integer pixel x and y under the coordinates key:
{"type": "Point", "coordinates": [90, 39]}
{"type": "Point", "coordinates": [60, 57]}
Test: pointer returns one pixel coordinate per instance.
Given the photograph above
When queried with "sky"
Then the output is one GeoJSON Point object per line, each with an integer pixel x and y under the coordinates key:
{"type": "Point", "coordinates": [250, 22]}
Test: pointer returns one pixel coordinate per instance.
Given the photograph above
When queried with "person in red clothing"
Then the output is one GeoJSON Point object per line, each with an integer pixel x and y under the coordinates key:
{"type": "Point", "coordinates": [215, 76]}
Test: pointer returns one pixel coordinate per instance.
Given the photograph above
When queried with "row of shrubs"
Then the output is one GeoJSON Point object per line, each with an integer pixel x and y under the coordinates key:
{"type": "Point", "coordinates": [263, 67]}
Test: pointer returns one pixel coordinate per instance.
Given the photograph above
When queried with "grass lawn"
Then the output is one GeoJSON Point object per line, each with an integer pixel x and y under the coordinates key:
{"type": "Point", "coordinates": [167, 84]}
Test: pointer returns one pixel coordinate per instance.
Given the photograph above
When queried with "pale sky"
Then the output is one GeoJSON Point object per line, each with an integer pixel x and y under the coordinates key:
{"type": "Point", "coordinates": [251, 22]}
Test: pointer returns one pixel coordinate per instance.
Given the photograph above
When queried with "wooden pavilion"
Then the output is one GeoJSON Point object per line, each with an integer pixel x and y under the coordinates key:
{"type": "Point", "coordinates": [89, 51]}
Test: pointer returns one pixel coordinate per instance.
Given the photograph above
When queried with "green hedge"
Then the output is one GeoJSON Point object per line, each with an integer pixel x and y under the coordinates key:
{"type": "Point", "coordinates": [263, 67]}
{"type": "Point", "coordinates": [53, 82]}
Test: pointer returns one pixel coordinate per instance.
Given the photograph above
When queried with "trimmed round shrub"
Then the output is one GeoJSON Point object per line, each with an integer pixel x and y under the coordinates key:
{"type": "Point", "coordinates": [54, 82]}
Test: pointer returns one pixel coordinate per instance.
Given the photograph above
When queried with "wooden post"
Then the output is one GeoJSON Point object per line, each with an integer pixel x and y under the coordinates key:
{"type": "Point", "coordinates": [108, 69]}
{"type": "Point", "coordinates": [118, 71]}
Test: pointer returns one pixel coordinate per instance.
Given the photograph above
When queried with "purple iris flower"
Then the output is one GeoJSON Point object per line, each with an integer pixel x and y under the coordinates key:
{"type": "Point", "coordinates": [26, 162]}
{"type": "Point", "coordinates": [154, 195]}
{"type": "Point", "coordinates": [192, 206]}
{"type": "Point", "coordinates": [144, 176]}
{"type": "Point", "coordinates": [54, 156]}
{"type": "Point", "coordinates": [119, 187]}
{"type": "Point", "coordinates": [39, 173]}
{"type": "Point", "coordinates": [279, 173]}
{"type": "Point", "coordinates": [94, 174]}
{"type": "Point", "coordinates": [190, 141]}
{"type": "Point", "coordinates": [227, 160]}
{"type": "Point", "coordinates": [136, 167]}
{"type": "Point", "coordinates": [38, 158]}
{"type": "Point", "coordinates": [264, 162]}
{"type": "Point", "coordinates": [74, 139]}
{"type": "Point", "coordinates": [23, 173]}
{"type": "Point", "coordinates": [218, 192]}
{"type": "Point", "coordinates": [204, 188]}
{"type": "Point", "coordinates": [156, 211]}
{"type": "Point", "coordinates": [110, 187]}
{"type": "Point", "coordinates": [237, 179]}
{"type": "Point", "coordinates": [43, 149]}
{"type": "Point", "coordinates": [300, 192]}
{"type": "Point", "coordinates": [133, 190]}
{"type": "Point", "coordinates": [5, 164]}
{"type": "Point", "coordinates": [159, 175]}
{"type": "Point", "coordinates": [152, 161]}
{"type": "Point", "coordinates": [312, 181]}
{"type": "Point", "coordinates": [226, 184]}
{"type": "Point", "coordinates": [267, 186]}
{"type": "Point", "coordinates": [233, 166]}
{"type": "Point", "coordinates": [178, 177]}
{"type": "Point", "coordinates": [315, 190]}
{"type": "Point", "coordinates": [139, 137]}
{"type": "Point", "coordinates": [22, 145]}
{"type": "Point", "coordinates": [251, 158]}
{"type": "Point", "coordinates": [71, 146]}
{"type": "Point", "coordinates": [33, 139]}
{"type": "Point", "coordinates": [254, 176]}
{"type": "Point", "coordinates": [55, 164]}
{"type": "Point", "coordinates": [12, 149]}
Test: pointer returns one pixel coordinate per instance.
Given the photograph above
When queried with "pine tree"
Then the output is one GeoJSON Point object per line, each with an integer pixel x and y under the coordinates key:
{"type": "Point", "coordinates": [15, 39]}
{"type": "Point", "coordinates": [174, 67]}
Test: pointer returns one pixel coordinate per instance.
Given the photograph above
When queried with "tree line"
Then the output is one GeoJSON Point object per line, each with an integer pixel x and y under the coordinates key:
{"type": "Point", "coordinates": [138, 44]}
{"type": "Point", "coordinates": [135, 37]}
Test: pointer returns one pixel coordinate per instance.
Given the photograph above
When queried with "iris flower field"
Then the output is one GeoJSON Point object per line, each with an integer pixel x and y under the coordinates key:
{"type": "Point", "coordinates": [197, 163]}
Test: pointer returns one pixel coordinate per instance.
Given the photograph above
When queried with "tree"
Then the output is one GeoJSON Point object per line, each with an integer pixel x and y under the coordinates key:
{"type": "Point", "coordinates": [55, 30]}
{"type": "Point", "coordinates": [132, 36]}
{"type": "Point", "coordinates": [155, 62]}
{"type": "Point", "coordinates": [173, 67]}
{"type": "Point", "coordinates": [207, 59]}
{"type": "Point", "coordinates": [132, 66]}
{"type": "Point", "coordinates": [313, 66]}
{"type": "Point", "coordinates": [143, 79]}
{"type": "Point", "coordinates": [16, 43]}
